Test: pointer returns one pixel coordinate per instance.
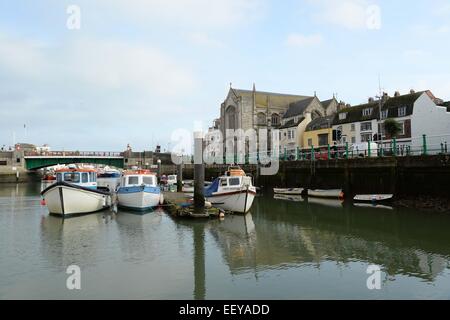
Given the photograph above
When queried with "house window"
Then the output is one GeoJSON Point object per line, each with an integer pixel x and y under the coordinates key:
{"type": "Point", "coordinates": [310, 142]}
{"type": "Point", "coordinates": [18, 160]}
{"type": "Point", "coordinates": [367, 112]}
{"type": "Point", "coordinates": [402, 111]}
{"type": "Point", "coordinates": [353, 139]}
{"type": "Point", "coordinates": [344, 139]}
{"type": "Point", "coordinates": [352, 128]}
{"type": "Point", "coordinates": [323, 139]}
{"type": "Point", "coordinates": [342, 116]}
{"type": "Point", "coordinates": [366, 137]}
{"type": "Point", "coordinates": [384, 114]}
{"type": "Point", "coordinates": [3, 163]}
{"type": "Point", "coordinates": [366, 126]}
{"type": "Point", "coordinates": [402, 131]}
{"type": "Point", "coordinates": [261, 119]}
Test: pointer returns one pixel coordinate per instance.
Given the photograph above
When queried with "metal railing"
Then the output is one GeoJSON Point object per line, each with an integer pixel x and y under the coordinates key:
{"type": "Point", "coordinates": [73, 154]}
{"type": "Point", "coordinates": [416, 146]}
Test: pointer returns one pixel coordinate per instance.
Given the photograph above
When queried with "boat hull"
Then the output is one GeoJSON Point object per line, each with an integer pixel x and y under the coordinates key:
{"type": "Point", "coordinates": [291, 191]}
{"type": "Point", "coordinates": [332, 193]}
{"type": "Point", "coordinates": [139, 198]}
{"type": "Point", "coordinates": [236, 201]}
{"type": "Point", "coordinates": [65, 200]}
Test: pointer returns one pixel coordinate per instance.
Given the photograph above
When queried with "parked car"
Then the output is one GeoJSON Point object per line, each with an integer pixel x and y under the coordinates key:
{"type": "Point", "coordinates": [362, 149]}
{"type": "Point", "coordinates": [172, 179]}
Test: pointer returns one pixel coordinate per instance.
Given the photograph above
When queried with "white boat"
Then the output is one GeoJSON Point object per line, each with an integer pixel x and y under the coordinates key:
{"type": "Point", "coordinates": [290, 191]}
{"type": "Point", "coordinates": [328, 193]}
{"type": "Point", "coordinates": [373, 197]}
{"type": "Point", "coordinates": [75, 192]}
{"type": "Point", "coordinates": [233, 191]}
{"type": "Point", "coordinates": [139, 191]}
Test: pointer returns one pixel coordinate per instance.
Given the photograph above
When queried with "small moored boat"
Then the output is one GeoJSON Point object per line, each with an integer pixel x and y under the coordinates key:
{"type": "Point", "coordinates": [328, 193]}
{"type": "Point", "coordinates": [139, 191]}
{"type": "Point", "coordinates": [233, 191]}
{"type": "Point", "coordinates": [290, 191]}
{"type": "Point", "coordinates": [373, 197]}
{"type": "Point", "coordinates": [75, 192]}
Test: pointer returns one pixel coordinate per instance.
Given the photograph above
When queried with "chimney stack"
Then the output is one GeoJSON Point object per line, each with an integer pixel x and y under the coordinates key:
{"type": "Point", "coordinates": [397, 94]}
{"type": "Point", "coordinates": [371, 100]}
{"type": "Point", "coordinates": [412, 91]}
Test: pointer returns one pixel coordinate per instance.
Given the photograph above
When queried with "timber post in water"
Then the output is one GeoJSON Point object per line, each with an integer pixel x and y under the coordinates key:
{"type": "Point", "coordinates": [180, 177]}
{"type": "Point", "coordinates": [199, 173]}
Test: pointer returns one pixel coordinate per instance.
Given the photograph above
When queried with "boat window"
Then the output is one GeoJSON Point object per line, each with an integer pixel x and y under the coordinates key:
{"type": "Point", "coordinates": [92, 177]}
{"type": "Point", "coordinates": [223, 182]}
{"type": "Point", "coordinates": [172, 177]}
{"type": "Point", "coordinates": [85, 177]}
{"type": "Point", "coordinates": [59, 177]}
{"type": "Point", "coordinates": [148, 180]}
{"type": "Point", "coordinates": [72, 177]}
{"type": "Point", "coordinates": [234, 181]}
{"type": "Point", "coordinates": [133, 180]}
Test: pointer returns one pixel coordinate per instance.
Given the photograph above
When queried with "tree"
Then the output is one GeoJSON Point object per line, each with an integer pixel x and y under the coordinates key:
{"type": "Point", "coordinates": [392, 128]}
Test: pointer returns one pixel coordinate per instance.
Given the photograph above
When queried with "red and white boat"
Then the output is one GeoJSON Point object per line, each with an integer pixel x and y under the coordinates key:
{"type": "Point", "coordinates": [234, 191]}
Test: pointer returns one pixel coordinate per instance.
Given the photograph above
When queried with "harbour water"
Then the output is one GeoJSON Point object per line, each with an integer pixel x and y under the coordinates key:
{"type": "Point", "coordinates": [283, 249]}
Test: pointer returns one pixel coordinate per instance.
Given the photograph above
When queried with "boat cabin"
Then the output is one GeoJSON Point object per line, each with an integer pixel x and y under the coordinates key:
{"type": "Point", "coordinates": [235, 181]}
{"type": "Point", "coordinates": [139, 178]}
{"type": "Point", "coordinates": [80, 177]}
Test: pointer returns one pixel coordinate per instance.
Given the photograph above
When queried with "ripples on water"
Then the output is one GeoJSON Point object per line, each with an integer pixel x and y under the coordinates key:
{"type": "Point", "coordinates": [285, 249]}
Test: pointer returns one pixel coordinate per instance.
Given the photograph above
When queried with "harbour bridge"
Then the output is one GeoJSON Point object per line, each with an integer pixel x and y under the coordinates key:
{"type": "Point", "coordinates": [34, 160]}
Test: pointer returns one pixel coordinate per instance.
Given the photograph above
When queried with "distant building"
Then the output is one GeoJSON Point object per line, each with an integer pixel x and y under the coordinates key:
{"type": "Point", "coordinates": [418, 113]}
{"type": "Point", "coordinates": [319, 132]}
{"type": "Point", "coordinates": [251, 109]}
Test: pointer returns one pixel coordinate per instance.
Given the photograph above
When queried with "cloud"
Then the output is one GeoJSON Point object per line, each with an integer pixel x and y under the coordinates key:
{"type": "Point", "coordinates": [205, 40]}
{"type": "Point", "coordinates": [349, 14]}
{"type": "Point", "coordinates": [192, 13]}
{"type": "Point", "coordinates": [299, 40]}
{"type": "Point", "coordinates": [108, 65]}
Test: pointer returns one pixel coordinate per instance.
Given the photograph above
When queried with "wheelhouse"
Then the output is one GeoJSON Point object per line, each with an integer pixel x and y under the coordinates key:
{"type": "Point", "coordinates": [81, 177]}
{"type": "Point", "coordinates": [137, 179]}
{"type": "Point", "coordinates": [235, 181]}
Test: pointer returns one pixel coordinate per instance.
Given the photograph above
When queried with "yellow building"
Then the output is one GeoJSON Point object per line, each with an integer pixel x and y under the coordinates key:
{"type": "Point", "coordinates": [319, 133]}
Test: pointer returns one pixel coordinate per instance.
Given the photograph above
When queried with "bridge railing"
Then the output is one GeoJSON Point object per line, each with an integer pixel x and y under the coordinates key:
{"type": "Point", "coordinates": [73, 154]}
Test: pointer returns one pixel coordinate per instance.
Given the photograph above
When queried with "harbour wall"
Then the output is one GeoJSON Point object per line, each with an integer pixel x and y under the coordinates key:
{"type": "Point", "coordinates": [402, 176]}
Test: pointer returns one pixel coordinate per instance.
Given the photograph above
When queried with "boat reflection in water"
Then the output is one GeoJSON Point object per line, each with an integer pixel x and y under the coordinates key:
{"type": "Point", "coordinates": [285, 197]}
{"type": "Point", "coordinates": [287, 234]}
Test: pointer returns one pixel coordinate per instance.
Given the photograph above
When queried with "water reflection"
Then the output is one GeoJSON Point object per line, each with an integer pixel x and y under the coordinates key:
{"type": "Point", "coordinates": [319, 230]}
{"type": "Point", "coordinates": [283, 239]}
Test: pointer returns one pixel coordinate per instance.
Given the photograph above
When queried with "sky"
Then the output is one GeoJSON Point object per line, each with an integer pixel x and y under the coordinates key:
{"type": "Point", "coordinates": [98, 75]}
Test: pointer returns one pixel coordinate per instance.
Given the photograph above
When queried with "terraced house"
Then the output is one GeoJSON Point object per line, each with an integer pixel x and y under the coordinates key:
{"type": "Point", "coordinates": [418, 113]}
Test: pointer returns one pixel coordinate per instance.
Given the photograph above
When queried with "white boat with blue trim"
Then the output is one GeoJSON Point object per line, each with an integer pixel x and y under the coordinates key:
{"type": "Point", "coordinates": [75, 192]}
{"type": "Point", "coordinates": [139, 191]}
{"type": "Point", "coordinates": [233, 191]}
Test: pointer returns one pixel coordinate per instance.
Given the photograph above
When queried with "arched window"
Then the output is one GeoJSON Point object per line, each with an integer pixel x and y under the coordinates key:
{"type": "Point", "coordinates": [275, 119]}
{"type": "Point", "coordinates": [230, 118]}
{"type": "Point", "coordinates": [261, 119]}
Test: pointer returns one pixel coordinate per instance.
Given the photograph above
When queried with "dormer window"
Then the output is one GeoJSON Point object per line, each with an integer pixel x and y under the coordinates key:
{"type": "Point", "coordinates": [402, 111]}
{"type": "Point", "coordinates": [342, 116]}
{"type": "Point", "coordinates": [367, 112]}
